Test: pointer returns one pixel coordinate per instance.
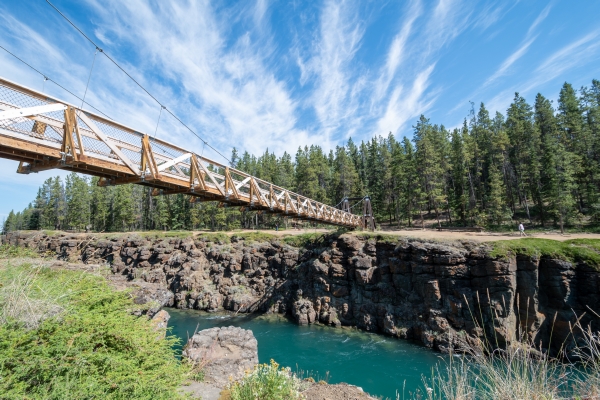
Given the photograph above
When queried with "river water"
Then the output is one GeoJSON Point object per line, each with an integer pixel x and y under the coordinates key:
{"type": "Point", "coordinates": [380, 365]}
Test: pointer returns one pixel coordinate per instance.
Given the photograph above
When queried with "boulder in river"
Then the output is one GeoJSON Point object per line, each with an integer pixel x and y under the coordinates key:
{"type": "Point", "coordinates": [223, 353]}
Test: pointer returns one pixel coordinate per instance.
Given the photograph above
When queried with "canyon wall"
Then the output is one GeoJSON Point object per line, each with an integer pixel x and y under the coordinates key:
{"type": "Point", "coordinates": [443, 295]}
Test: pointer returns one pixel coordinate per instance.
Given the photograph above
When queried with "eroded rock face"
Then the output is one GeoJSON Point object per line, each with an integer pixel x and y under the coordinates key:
{"type": "Point", "coordinates": [224, 353]}
{"type": "Point", "coordinates": [439, 294]}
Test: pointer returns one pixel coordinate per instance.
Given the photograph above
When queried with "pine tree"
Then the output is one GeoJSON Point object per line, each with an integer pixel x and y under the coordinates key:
{"type": "Point", "coordinates": [430, 164]}
{"type": "Point", "coordinates": [345, 179]}
{"type": "Point", "coordinates": [520, 131]}
{"type": "Point", "coordinates": [460, 190]}
{"type": "Point", "coordinates": [577, 141]}
{"type": "Point", "coordinates": [557, 169]}
{"type": "Point", "coordinates": [9, 223]}
{"type": "Point", "coordinates": [77, 195]}
{"type": "Point", "coordinates": [122, 215]}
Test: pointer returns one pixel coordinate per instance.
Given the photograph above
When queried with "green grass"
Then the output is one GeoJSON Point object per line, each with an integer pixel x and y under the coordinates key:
{"type": "Point", "coordinates": [166, 234]}
{"type": "Point", "coordinates": [67, 334]}
{"type": "Point", "coordinates": [255, 236]}
{"type": "Point", "coordinates": [381, 238]}
{"type": "Point", "coordinates": [8, 251]}
{"type": "Point", "coordinates": [217, 237]}
{"type": "Point", "coordinates": [575, 250]}
{"type": "Point", "coordinates": [304, 239]}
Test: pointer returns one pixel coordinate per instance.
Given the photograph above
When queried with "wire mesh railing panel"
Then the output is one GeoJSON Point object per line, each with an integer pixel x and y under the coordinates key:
{"type": "Point", "coordinates": [20, 99]}
{"type": "Point", "coordinates": [134, 156]}
{"type": "Point", "coordinates": [164, 150]}
{"type": "Point", "coordinates": [98, 147]}
{"type": "Point", "coordinates": [117, 134]}
{"type": "Point", "coordinates": [11, 98]}
{"type": "Point", "coordinates": [53, 134]}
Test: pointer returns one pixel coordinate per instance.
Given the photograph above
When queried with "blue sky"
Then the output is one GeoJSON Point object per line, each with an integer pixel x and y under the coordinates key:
{"type": "Point", "coordinates": [282, 74]}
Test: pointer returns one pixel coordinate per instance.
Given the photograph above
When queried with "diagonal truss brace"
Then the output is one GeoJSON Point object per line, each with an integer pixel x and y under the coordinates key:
{"type": "Point", "coordinates": [29, 111]}
{"type": "Point", "coordinates": [102, 137]}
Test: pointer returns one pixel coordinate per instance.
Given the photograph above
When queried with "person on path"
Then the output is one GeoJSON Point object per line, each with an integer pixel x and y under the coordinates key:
{"type": "Point", "coordinates": [522, 230]}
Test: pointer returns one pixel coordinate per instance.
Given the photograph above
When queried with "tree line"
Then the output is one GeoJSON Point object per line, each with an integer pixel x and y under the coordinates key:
{"type": "Point", "coordinates": [537, 163]}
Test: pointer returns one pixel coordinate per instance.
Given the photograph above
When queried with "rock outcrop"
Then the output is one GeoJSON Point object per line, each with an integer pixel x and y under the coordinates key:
{"type": "Point", "coordinates": [443, 295]}
{"type": "Point", "coordinates": [224, 354]}
{"type": "Point", "coordinates": [160, 321]}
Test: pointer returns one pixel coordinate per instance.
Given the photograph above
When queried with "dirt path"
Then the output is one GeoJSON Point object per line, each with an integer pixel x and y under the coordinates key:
{"type": "Point", "coordinates": [486, 236]}
{"type": "Point", "coordinates": [434, 234]}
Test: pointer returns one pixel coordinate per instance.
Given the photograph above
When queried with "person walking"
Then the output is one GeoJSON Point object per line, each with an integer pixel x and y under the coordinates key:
{"type": "Point", "coordinates": [522, 230]}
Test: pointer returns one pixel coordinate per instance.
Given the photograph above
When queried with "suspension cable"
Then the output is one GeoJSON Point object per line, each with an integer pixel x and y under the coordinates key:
{"type": "Point", "coordinates": [89, 77]}
{"type": "Point", "coordinates": [336, 206]}
{"type": "Point", "coordinates": [135, 81]}
{"type": "Point", "coordinates": [158, 122]}
{"type": "Point", "coordinates": [358, 202]}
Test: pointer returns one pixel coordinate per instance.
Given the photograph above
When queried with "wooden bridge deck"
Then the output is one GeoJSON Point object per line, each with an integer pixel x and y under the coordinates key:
{"type": "Point", "coordinates": [44, 133]}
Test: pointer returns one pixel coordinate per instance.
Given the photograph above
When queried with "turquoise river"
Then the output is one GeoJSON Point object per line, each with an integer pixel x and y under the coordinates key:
{"type": "Point", "coordinates": [380, 365]}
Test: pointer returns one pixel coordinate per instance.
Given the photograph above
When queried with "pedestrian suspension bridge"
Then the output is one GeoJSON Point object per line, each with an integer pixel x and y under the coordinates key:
{"type": "Point", "coordinates": [43, 133]}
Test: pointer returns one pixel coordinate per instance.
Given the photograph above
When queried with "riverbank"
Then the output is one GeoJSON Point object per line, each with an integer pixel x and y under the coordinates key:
{"type": "Point", "coordinates": [63, 281]}
{"type": "Point", "coordinates": [70, 330]}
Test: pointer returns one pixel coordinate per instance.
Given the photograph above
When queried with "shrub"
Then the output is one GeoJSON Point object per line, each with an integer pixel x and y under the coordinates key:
{"type": "Point", "coordinates": [10, 251]}
{"type": "Point", "coordinates": [267, 382]}
{"type": "Point", "coordinates": [86, 344]}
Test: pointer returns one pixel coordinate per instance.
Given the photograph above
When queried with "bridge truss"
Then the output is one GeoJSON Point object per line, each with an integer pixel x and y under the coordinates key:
{"type": "Point", "coordinates": [44, 133]}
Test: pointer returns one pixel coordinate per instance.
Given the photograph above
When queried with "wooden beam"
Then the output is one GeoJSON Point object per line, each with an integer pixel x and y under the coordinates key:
{"type": "Point", "coordinates": [230, 185]}
{"type": "Point", "coordinates": [148, 161]}
{"type": "Point", "coordinates": [273, 198]}
{"type": "Point", "coordinates": [196, 174]}
{"type": "Point", "coordinates": [77, 133]}
{"type": "Point", "coordinates": [68, 146]}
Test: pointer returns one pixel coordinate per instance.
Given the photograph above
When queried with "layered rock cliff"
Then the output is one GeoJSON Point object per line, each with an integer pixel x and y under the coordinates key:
{"type": "Point", "coordinates": [443, 295]}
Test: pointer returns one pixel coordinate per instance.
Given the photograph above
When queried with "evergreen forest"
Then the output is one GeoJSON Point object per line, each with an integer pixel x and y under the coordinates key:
{"type": "Point", "coordinates": [537, 163]}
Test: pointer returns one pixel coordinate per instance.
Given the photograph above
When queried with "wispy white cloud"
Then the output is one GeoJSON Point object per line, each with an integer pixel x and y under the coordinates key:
{"type": "Point", "coordinates": [341, 31]}
{"type": "Point", "coordinates": [397, 52]}
{"type": "Point", "coordinates": [509, 61]}
{"type": "Point", "coordinates": [405, 104]}
{"type": "Point", "coordinates": [570, 56]}
{"type": "Point", "coordinates": [506, 65]}
{"type": "Point", "coordinates": [403, 92]}
{"type": "Point", "coordinates": [576, 53]}
{"type": "Point", "coordinates": [540, 18]}
{"type": "Point", "coordinates": [241, 102]}
{"type": "Point", "coordinates": [448, 20]}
